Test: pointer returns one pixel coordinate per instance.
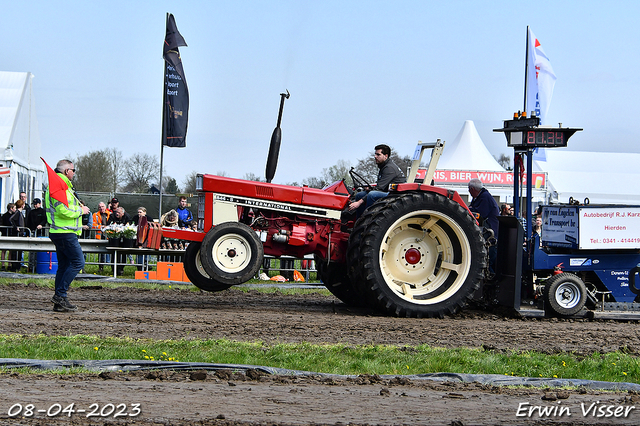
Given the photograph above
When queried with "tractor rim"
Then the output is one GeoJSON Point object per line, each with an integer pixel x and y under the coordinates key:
{"type": "Point", "coordinates": [422, 260]}
{"type": "Point", "coordinates": [231, 253]}
{"type": "Point", "coordinates": [198, 265]}
{"type": "Point", "coordinates": [567, 295]}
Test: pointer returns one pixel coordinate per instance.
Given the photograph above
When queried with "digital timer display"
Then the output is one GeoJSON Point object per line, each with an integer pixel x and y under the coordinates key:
{"type": "Point", "coordinates": [526, 133]}
{"type": "Point", "coordinates": [544, 138]}
{"type": "Point", "coordinates": [539, 138]}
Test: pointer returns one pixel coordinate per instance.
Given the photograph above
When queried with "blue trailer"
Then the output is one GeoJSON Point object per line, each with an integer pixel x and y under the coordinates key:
{"type": "Point", "coordinates": [572, 272]}
{"type": "Point", "coordinates": [584, 261]}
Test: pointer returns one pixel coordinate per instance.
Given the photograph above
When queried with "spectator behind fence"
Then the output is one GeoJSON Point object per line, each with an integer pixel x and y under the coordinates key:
{"type": "Point", "coordinates": [6, 231]}
{"type": "Point", "coordinates": [184, 214]}
{"type": "Point", "coordinates": [100, 220]}
{"type": "Point", "coordinates": [170, 219]}
{"type": "Point", "coordinates": [87, 223]}
{"type": "Point", "coordinates": [142, 212]}
{"type": "Point", "coordinates": [120, 217]}
{"type": "Point", "coordinates": [114, 204]}
{"type": "Point", "coordinates": [17, 230]}
{"type": "Point", "coordinates": [27, 207]}
{"type": "Point", "coordinates": [141, 220]}
{"type": "Point", "coordinates": [37, 223]}
{"type": "Point", "coordinates": [37, 219]}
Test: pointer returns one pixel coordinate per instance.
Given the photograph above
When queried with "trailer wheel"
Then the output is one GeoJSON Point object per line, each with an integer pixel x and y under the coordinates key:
{"type": "Point", "coordinates": [335, 278]}
{"type": "Point", "coordinates": [422, 255]}
{"type": "Point", "coordinates": [231, 253]}
{"type": "Point", "coordinates": [565, 294]}
{"type": "Point", "coordinates": [195, 271]}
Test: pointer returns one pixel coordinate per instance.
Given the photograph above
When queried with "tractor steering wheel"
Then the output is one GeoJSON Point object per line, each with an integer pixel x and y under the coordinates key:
{"type": "Point", "coordinates": [359, 181]}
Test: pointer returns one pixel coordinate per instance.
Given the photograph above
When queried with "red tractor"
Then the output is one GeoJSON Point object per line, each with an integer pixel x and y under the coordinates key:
{"type": "Point", "coordinates": [418, 252]}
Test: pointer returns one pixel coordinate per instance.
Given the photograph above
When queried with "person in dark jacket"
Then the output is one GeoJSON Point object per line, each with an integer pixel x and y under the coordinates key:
{"type": "Point", "coordinates": [486, 206]}
{"type": "Point", "coordinates": [120, 217]}
{"type": "Point", "coordinates": [7, 230]}
{"type": "Point", "coordinates": [388, 173]}
{"type": "Point", "coordinates": [17, 222]}
{"type": "Point", "coordinates": [37, 218]}
{"type": "Point", "coordinates": [36, 222]}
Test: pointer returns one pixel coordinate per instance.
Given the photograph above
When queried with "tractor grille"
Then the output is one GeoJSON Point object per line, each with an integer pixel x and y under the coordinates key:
{"type": "Point", "coordinates": [264, 191]}
{"type": "Point", "coordinates": [201, 206]}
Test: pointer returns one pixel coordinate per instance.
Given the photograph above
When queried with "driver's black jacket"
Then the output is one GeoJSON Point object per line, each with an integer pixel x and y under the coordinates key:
{"type": "Point", "coordinates": [389, 173]}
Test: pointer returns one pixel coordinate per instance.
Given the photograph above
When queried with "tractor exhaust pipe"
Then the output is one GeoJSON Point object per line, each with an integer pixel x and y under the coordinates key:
{"type": "Point", "coordinates": [274, 147]}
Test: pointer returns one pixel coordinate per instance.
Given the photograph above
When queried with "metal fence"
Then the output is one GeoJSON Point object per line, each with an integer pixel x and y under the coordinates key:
{"type": "Point", "coordinates": [21, 252]}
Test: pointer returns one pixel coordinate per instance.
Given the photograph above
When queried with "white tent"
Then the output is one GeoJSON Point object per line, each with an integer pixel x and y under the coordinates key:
{"type": "Point", "coordinates": [20, 166]}
{"type": "Point", "coordinates": [468, 152]}
{"type": "Point", "coordinates": [468, 155]}
{"type": "Point", "coordinates": [603, 177]}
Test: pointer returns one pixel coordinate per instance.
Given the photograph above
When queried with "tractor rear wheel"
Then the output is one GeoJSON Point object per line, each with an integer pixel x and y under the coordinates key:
{"type": "Point", "coordinates": [565, 294]}
{"type": "Point", "coordinates": [422, 255]}
{"type": "Point", "coordinates": [354, 268]}
{"type": "Point", "coordinates": [335, 278]}
{"type": "Point", "coordinates": [196, 273]}
{"type": "Point", "coordinates": [231, 253]}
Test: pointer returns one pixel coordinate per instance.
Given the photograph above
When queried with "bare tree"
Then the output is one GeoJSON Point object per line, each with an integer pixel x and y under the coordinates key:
{"type": "Point", "coordinates": [93, 172]}
{"type": "Point", "coordinates": [189, 183]}
{"type": "Point", "coordinates": [338, 171]}
{"type": "Point", "coordinates": [314, 182]}
{"type": "Point", "coordinates": [116, 173]}
{"type": "Point", "coordinates": [252, 176]}
{"type": "Point", "coordinates": [505, 161]}
{"type": "Point", "coordinates": [139, 171]}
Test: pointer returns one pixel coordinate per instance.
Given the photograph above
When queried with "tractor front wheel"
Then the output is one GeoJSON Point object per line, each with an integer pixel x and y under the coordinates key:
{"type": "Point", "coordinates": [195, 271]}
{"type": "Point", "coordinates": [231, 253]}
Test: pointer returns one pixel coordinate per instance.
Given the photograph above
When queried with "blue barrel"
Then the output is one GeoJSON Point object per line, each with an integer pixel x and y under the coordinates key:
{"type": "Point", "coordinates": [46, 262]}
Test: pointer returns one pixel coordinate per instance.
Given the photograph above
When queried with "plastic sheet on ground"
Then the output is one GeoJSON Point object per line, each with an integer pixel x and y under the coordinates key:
{"type": "Point", "coordinates": [132, 365]}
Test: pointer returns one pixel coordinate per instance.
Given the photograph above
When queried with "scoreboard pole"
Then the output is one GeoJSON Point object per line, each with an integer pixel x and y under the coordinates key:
{"type": "Point", "coordinates": [529, 227]}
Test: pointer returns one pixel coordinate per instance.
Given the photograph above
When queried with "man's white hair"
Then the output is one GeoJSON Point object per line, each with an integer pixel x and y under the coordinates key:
{"type": "Point", "coordinates": [476, 183]}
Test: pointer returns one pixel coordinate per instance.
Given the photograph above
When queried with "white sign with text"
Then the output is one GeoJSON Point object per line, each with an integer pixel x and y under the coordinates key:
{"type": "Point", "coordinates": [609, 227]}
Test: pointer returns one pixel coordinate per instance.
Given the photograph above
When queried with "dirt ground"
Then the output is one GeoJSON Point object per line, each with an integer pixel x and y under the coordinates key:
{"type": "Point", "coordinates": [224, 398]}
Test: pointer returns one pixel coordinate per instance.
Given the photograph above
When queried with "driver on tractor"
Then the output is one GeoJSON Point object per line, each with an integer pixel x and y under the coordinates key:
{"type": "Point", "coordinates": [388, 173]}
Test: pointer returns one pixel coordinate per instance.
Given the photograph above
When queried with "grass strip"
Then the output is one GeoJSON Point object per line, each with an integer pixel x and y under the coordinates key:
{"type": "Point", "coordinates": [334, 358]}
{"type": "Point", "coordinates": [141, 284]}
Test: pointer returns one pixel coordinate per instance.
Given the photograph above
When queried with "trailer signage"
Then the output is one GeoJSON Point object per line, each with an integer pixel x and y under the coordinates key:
{"type": "Point", "coordinates": [612, 227]}
{"type": "Point", "coordinates": [560, 226]}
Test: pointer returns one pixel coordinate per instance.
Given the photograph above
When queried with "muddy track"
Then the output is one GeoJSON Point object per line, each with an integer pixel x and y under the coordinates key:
{"type": "Point", "coordinates": [253, 316]}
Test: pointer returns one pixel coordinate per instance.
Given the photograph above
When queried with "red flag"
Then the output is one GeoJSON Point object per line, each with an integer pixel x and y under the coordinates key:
{"type": "Point", "coordinates": [57, 186]}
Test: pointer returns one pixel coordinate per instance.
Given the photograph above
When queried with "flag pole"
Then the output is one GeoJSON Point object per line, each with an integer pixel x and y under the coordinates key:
{"type": "Point", "coordinates": [528, 212]}
{"type": "Point", "coordinates": [516, 167]}
{"type": "Point", "coordinates": [526, 70]}
{"type": "Point", "coordinates": [164, 105]}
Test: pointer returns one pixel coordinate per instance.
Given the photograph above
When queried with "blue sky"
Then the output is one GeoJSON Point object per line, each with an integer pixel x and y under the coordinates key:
{"type": "Point", "coordinates": [359, 72]}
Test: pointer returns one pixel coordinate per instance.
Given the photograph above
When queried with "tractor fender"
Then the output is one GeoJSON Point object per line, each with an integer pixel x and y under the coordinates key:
{"type": "Point", "coordinates": [448, 193]}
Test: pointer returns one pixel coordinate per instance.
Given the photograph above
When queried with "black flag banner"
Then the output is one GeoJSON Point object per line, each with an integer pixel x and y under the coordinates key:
{"type": "Point", "coordinates": [175, 115]}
